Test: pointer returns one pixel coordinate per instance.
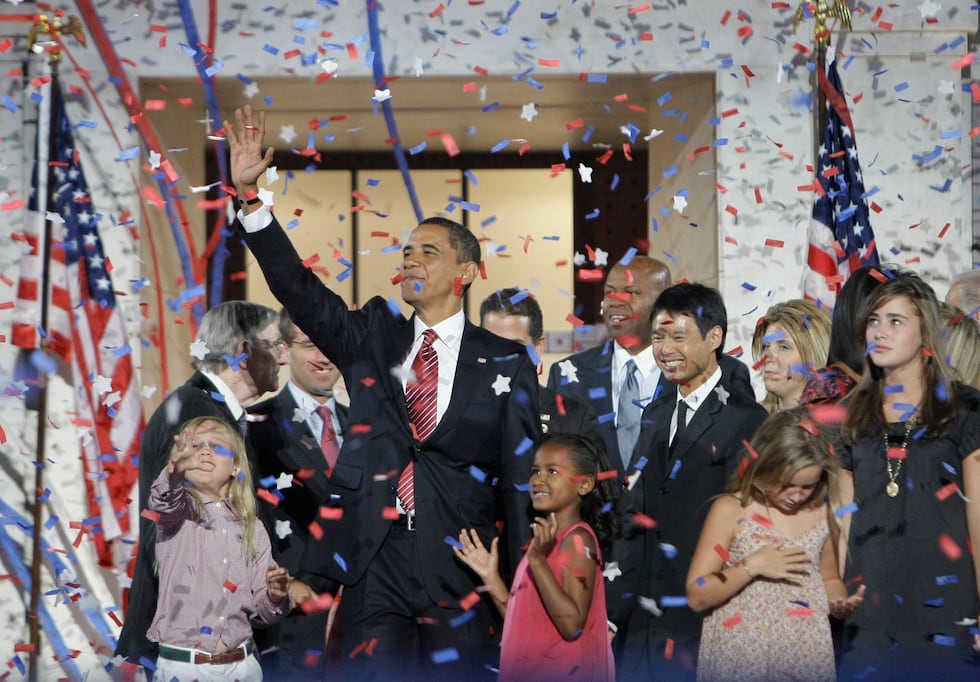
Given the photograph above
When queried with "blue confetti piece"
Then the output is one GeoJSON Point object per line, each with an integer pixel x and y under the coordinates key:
{"type": "Point", "coordinates": [340, 562]}
{"type": "Point", "coordinates": [45, 496]}
{"type": "Point", "coordinates": [748, 286]}
{"type": "Point", "coordinates": [42, 363]}
{"type": "Point", "coordinates": [944, 640]}
{"type": "Point", "coordinates": [942, 393]}
{"type": "Point", "coordinates": [934, 603]}
{"type": "Point", "coordinates": [641, 463]}
{"type": "Point", "coordinates": [597, 78]}
{"type": "Point", "coordinates": [461, 619]}
{"type": "Point", "coordinates": [453, 542]}
{"type": "Point", "coordinates": [926, 158]}
{"type": "Point", "coordinates": [478, 474]}
{"type": "Point", "coordinates": [901, 86]}
{"type": "Point", "coordinates": [271, 49]}
{"type": "Point", "coordinates": [669, 550]}
{"type": "Point", "coordinates": [566, 151]}
{"type": "Point", "coordinates": [947, 580]}
{"type": "Point", "coordinates": [775, 336]}
{"type": "Point", "coordinates": [500, 146]}
{"type": "Point", "coordinates": [669, 602]}
{"type": "Point", "coordinates": [593, 215]}
{"type": "Point", "coordinates": [533, 354]}
{"type": "Point", "coordinates": [522, 487]}
{"type": "Point", "coordinates": [846, 509]}
{"type": "Point", "coordinates": [700, 581]}
{"type": "Point", "coordinates": [267, 482]}
{"type": "Point", "coordinates": [10, 104]}
{"type": "Point", "coordinates": [147, 663]}
{"type": "Point", "coordinates": [607, 417]}
{"type": "Point", "coordinates": [899, 598]}
{"type": "Point", "coordinates": [491, 107]}
{"type": "Point", "coordinates": [675, 469]}
{"type": "Point", "coordinates": [51, 522]}
{"type": "Point", "coordinates": [445, 656]}
{"type": "Point", "coordinates": [234, 360]}
{"type": "Point", "coordinates": [628, 257]}
{"type": "Point", "coordinates": [205, 630]}
{"type": "Point", "coordinates": [417, 149]}
{"type": "Point", "coordinates": [525, 445]}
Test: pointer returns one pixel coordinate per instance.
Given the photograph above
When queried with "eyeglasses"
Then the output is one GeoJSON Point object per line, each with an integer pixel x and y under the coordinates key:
{"type": "Point", "coordinates": [276, 345]}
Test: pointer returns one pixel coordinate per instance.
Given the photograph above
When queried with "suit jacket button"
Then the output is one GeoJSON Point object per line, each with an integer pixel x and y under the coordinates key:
{"type": "Point", "coordinates": [665, 491]}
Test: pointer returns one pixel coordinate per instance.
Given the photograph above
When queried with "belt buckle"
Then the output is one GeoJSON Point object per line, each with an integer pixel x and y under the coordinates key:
{"type": "Point", "coordinates": [410, 521]}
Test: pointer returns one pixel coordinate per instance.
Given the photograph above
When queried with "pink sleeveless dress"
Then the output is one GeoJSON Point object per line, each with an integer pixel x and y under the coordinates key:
{"type": "Point", "coordinates": [531, 647]}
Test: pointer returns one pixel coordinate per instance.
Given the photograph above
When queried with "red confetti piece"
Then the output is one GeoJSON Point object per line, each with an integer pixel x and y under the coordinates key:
{"type": "Point", "coordinates": [733, 621]}
{"type": "Point", "coordinates": [810, 427]}
{"type": "Point", "coordinates": [390, 513]}
{"type": "Point", "coordinates": [949, 547]}
{"type": "Point", "coordinates": [762, 520]}
{"type": "Point", "coordinates": [318, 604]}
{"type": "Point", "coordinates": [268, 496]}
{"type": "Point", "coordinates": [942, 233]}
{"type": "Point", "coordinates": [549, 62]}
{"type": "Point", "coordinates": [575, 321]}
{"type": "Point", "coordinates": [151, 515]}
{"type": "Point", "coordinates": [24, 647]}
{"type": "Point", "coordinates": [947, 491]}
{"type": "Point", "coordinates": [481, 70]}
{"type": "Point", "coordinates": [578, 123]}
{"type": "Point", "coordinates": [800, 612]}
{"type": "Point", "coordinates": [723, 553]}
{"type": "Point", "coordinates": [469, 601]}
{"type": "Point", "coordinates": [878, 275]}
{"type": "Point", "coordinates": [731, 209]}
{"type": "Point", "coordinates": [596, 275]}
{"type": "Point", "coordinates": [642, 8]}
{"type": "Point", "coordinates": [605, 475]}
{"type": "Point", "coordinates": [332, 513]}
{"type": "Point", "coordinates": [315, 258]}
{"type": "Point", "coordinates": [458, 284]}
{"type": "Point", "coordinates": [731, 240]}
{"type": "Point", "coordinates": [230, 586]}
{"type": "Point", "coordinates": [897, 453]}
{"type": "Point", "coordinates": [669, 650]}
{"type": "Point", "coordinates": [115, 618]}
{"type": "Point", "coordinates": [315, 530]}
{"type": "Point", "coordinates": [643, 520]}
{"type": "Point", "coordinates": [776, 243]}
{"type": "Point", "coordinates": [758, 195]}
{"type": "Point", "coordinates": [437, 11]}
{"type": "Point", "coordinates": [483, 269]}
{"type": "Point", "coordinates": [367, 382]}
{"type": "Point", "coordinates": [742, 467]}
{"type": "Point", "coordinates": [360, 428]}
{"type": "Point", "coordinates": [725, 17]}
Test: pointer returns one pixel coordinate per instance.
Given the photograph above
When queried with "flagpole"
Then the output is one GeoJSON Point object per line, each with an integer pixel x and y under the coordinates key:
{"type": "Point", "coordinates": [821, 11]}
{"type": "Point", "coordinates": [53, 27]}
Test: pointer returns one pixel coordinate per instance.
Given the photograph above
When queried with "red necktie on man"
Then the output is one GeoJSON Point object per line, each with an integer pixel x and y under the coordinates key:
{"type": "Point", "coordinates": [421, 398]}
{"type": "Point", "coordinates": [328, 436]}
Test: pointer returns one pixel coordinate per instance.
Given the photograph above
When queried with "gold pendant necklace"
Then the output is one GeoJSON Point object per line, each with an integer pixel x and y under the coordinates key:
{"type": "Point", "coordinates": [898, 455]}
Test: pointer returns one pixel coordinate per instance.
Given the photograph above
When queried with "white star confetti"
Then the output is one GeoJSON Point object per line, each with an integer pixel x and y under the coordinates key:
{"type": "Point", "coordinates": [102, 384]}
{"type": "Point", "coordinates": [568, 371]}
{"type": "Point", "coordinates": [529, 111]}
{"type": "Point", "coordinates": [946, 88]}
{"type": "Point", "coordinates": [419, 70]}
{"type": "Point", "coordinates": [199, 349]}
{"type": "Point", "coordinates": [601, 258]}
{"type": "Point", "coordinates": [283, 530]}
{"type": "Point", "coordinates": [585, 173]}
{"type": "Point", "coordinates": [680, 203]}
{"type": "Point", "coordinates": [287, 133]}
{"type": "Point", "coordinates": [251, 90]}
{"type": "Point", "coordinates": [154, 159]}
{"type": "Point", "coordinates": [929, 9]}
{"type": "Point", "coordinates": [654, 132]}
{"type": "Point", "coordinates": [382, 95]}
{"type": "Point", "coordinates": [501, 385]}
{"type": "Point", "coordinates": [284, 481]}
{"type": "Point", "coordinates": [578, 259]}
{"type": "Point", "coordinates": [300, 415]}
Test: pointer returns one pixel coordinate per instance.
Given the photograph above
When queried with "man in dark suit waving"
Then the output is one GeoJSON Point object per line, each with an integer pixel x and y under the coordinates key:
{"type": "Point", "coordinates": [691, 441]}
{"type": "Point", "coordinates": [297, 436]}
{"type": "Point", "coordinates": [442, 426]}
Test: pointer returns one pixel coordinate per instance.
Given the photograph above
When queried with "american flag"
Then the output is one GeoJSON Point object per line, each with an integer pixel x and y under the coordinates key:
{"type": "Point", "coordinates": [85, 326]}
{"type": "Point", "coordinates": [841, 238]}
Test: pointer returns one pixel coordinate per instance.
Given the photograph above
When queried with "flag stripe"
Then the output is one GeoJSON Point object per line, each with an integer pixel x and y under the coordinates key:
{"type": "Point", "coordinates": [841, 238]}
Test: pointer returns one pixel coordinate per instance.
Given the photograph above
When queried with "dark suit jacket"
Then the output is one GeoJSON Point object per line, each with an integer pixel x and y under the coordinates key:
{"type": "Point", "coordinates": [594, 387]}
{"type": "Point", "coordinates": [282, 445]}
{"type": "Point", "coordinates": [467, 472]}
{"type": "Point", "coordinates": [198, 397]}
{"type": "Point", "coordinates": [573, 417]}
{"type": "Point", "coordinates": [676, 491]}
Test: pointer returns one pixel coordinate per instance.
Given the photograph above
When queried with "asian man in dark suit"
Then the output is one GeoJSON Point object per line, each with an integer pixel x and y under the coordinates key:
{"type": "Point", "coordinates": [597, 377]}
{"type": "Point", "coordinates": [297, 436]}
{"type": "Point", "coordinates": [246, 333]}
{"type": "Point", "coordinates": [690, 446]}
{"type": "Point", "coordinates": [442, 425]}
{"type": "Point", "coordinates": [516, 315]}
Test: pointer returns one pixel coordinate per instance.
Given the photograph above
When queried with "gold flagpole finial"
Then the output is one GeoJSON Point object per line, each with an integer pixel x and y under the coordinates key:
{"type": "Point", "coordinates": [54, 27]}
{"type": "Point", "coordinates": [822, 10]}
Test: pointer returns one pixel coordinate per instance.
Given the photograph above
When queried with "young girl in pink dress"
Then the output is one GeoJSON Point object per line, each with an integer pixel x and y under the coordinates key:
{"type": "Point", "coordinates": [555, 612]}
{"type": "Point", "coordinates": [766, 562]}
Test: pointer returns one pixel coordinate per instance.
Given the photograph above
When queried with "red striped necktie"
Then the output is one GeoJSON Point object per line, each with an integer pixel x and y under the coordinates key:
{"type": "Point", "coordinates": [421, 398]}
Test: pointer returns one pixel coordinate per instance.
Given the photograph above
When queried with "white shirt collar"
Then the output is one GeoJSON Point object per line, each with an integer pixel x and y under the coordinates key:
{"type": "Point", "coordinates": [697, 397]}
{"type": "Point", "coordinates": [305, 401]}
{"type": "Point", "coordinates": [450, 330]}
{"type": "Point", "coordinates": [645, 362]}
{"type": "Point", "coordinates": [230, 399]}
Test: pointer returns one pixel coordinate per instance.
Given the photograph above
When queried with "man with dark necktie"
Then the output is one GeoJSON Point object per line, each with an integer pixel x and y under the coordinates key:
{"type": "Point", "coordinates": [296, 436]}
{"type": "Point", "coordinates": [443, 412]}
{"type": "Point", "coordinates": [236, 356]}
{"type": "Point", "coordinates": [691, 445]}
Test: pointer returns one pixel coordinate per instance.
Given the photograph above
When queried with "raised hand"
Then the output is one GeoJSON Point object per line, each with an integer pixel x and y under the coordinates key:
{"type": "Point", "coordinates": [844, 608]}
{"type": "Point", "coordinates": [277, 583]}
{"type": "Point", "coordinates": [187, 454]}
{"type": "Point", "coordinates": [475, 555]}
{"type": "Point", "coordinates": [779, 562]}
{"type": "Point", "coordinates": [544, 529]}
{"type": "Point", "coordinates": [245, 140]}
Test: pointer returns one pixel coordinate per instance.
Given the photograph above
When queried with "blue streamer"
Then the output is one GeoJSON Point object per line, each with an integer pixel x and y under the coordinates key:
{"type": "Point", "coordinates": [211, 96]}
{"type": "Point", "coordinates": [374, 35]}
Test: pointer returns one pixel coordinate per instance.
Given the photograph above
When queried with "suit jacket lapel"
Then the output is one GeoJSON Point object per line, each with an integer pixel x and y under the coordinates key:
{"type": "Point", "coordinates": [397, 347]}
{"type": "Point", "coordinates": [471, 369]}
{"type": "Point", "coordinates": [303, 446]}
{"type": "Point", "coordinates": [702, 420]}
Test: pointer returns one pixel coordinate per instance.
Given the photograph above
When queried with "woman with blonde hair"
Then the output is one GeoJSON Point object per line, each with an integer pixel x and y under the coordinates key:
{"type": "Point", "coordinates": [790, 342]}
{"type": "Point", "coordinates": [961, 336]}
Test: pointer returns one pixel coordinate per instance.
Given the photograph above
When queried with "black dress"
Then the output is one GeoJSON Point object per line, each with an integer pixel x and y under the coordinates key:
{"type": "Point", "coordinates": [912, 552]}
